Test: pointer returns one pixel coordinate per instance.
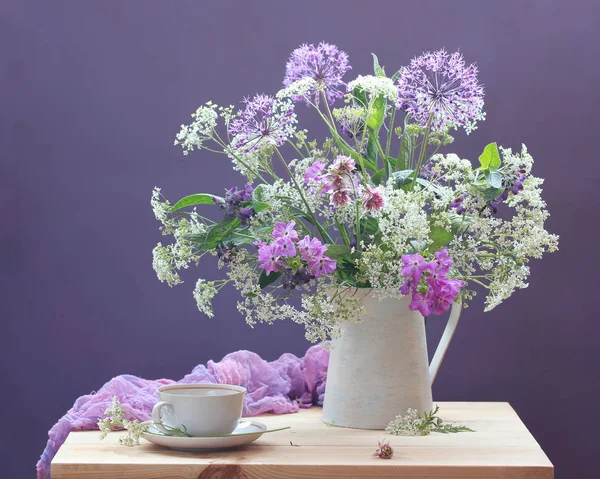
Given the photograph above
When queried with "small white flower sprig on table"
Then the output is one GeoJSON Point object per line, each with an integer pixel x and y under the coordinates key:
{"type": "Point", "coordinates": [412, 424]}
{"type": "Point", "coordinates": [374, 205]}
{"type": "Point", "coordinates": [116, 420]}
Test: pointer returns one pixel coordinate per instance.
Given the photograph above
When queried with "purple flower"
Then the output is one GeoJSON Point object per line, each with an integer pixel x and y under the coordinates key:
{"type": "Point", "coordinates": [285, 236]}
{"type": "Point", "coordinates": [236, 203]}
{"type": "Point", "coordinates": [285, 230]}
{"type": "Point", "coordinates": [310, 248]}
{"type": "Point", "coordinates": [444, 261]}
{"type": "Point", "coordinates": [456, 203]}
{"type": "Point", "coordinates": [340, 198]}
{"type": "Point", "coordinates": [439, 85]}
{"type": "Point", "coordinates": [269, 258]}
{"type": "Point", "coordinates": [325, 63]}
{"type": "Point", "coordinates": [421, 303]}
{"type": "Point", "coordinates": [414, 266]}
{"type": "Point", "coordinates": [372, 199]}
{"type": "Point", "coordinates": [384, 451]}
{"type": "Point", "coordinates": [302, 276]}
{"type": "Point", "coordinates": [264, 121]}
{"type": "Point", "coordinates": [286, 246]}
{"type": "Point", "coordinates": [433, 292]}
{"type": "Point", "coordinates": [406, 287]}
{"type": "Point", "coordinates": [312, 174]}
{"type": "Point", "coordinates": [322, 265]}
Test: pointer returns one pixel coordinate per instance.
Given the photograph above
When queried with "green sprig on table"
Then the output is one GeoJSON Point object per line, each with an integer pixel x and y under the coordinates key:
{"type": "Point", "coordinates": [412, 424]}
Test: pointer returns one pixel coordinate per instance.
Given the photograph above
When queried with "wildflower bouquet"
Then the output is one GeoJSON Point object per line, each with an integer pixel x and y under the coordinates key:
{"type": "Point", "coordinates": [374, 205]}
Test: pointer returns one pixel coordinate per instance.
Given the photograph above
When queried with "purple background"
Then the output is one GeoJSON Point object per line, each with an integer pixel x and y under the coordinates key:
{"type": "Point", "coordinates": [92, 95]}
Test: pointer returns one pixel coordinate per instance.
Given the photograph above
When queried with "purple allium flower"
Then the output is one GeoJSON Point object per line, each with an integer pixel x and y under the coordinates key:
{"type": "Point", "coordinates": [325, 63]}
{"type": "Point", "coordinates": [264, 121]}
{"type": "Point", "coordinates": [440, 85]}
{"type": "Point", "coordinates": [322, 265]}
{"type": "Point", "coordinates": [269, 258]}
{"type": "Point", "coordinates": [384, 451]}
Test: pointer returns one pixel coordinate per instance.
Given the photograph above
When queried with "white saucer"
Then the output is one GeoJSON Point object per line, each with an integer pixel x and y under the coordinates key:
{"type": "Point", "coordinates": [247, 432]}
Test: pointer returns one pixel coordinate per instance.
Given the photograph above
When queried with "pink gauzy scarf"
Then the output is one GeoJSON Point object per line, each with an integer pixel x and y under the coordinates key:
{"type": "Point", "coordinates": [280, 387]}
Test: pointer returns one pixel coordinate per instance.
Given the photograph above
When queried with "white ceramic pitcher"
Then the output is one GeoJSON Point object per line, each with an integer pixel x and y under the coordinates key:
{"type": "Point", "coordinates": [378, 367]}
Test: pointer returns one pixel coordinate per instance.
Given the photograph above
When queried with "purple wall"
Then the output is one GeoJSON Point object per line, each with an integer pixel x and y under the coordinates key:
{"type": "Point", "coordinates": [92, 95]}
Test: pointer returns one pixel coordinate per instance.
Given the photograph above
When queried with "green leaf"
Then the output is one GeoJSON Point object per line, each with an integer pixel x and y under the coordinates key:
{"type": "Point", "coordinates": [198, 199]}
{"type": "Point", "coordinates": [258, 193]}
{"type": "Point", "coordinates": [376, 113]}
{"type": "Point", "coordinates": [360, 97]}
{"type": "Point", "coordinates": [372, 150]}
{"type": "Point", "coordinates": [406, 147]}
{"type": "Point", "coordinates": [490, 158]}
{"type": "Point", "coordinates": [264, 280]}
{"type": "Point", "coordinates": [405, 151]}
{"type": "Point", "coordinates": [369, 165]}
{"type": "Point", "coordinates": [377, 177]}
{"type": "Point", "coordinates": [396, 75]}
{"type": "Point", "coordinates": [259, 206]}
{"type": "Point", "coordinates": [338, 252]}
{"type": "Point", "coordinates": [376, 68]}
{"type": "Point", "coordinates": [219, 233]}
{"type": "Point", "coordinates": [459, 223]}
{"type": "Point", "coordinates": [488, 194]}
{"type": "Point", "coordinates": [494, 178]}
{"type": "Point", "coordinates": [439, 237]}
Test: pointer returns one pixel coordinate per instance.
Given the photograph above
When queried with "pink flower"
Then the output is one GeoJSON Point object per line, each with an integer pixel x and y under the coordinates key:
{"type": "Point", "coordinates": [285, 230]}
{"type": "Point", "coordinates": [444, 260]}
{"type": "Point", "coordinates": [344, 164]}
{"type": "Point", "coordinates": [413, 266]}
{"type": "Point", "coordinates": [322, 265]}
{"type": "Point", "coordinates": [286, 246]}
{"type": "Point", "coordinates": [269, 258]}
{"type": "Point", "coordinates": [406, 287]}
{"type": "Point", "coordinates": [372, 199]}
{"type": "Point", "coordinates": [421, 303]}
{"type": "Point", "coordinates": [340, 198]}
{"type": "Point", "coordinates": [313, 173]}
{"type": "Point", "coordinates": [310, 248]}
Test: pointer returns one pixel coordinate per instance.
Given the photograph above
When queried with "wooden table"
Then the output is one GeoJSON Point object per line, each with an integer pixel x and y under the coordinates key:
{"type": "Point", "coordinates": [501, 447]}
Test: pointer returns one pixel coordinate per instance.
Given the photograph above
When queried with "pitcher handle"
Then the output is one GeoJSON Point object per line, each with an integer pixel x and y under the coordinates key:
{"type": "Point", "coordinates": [442, 347]}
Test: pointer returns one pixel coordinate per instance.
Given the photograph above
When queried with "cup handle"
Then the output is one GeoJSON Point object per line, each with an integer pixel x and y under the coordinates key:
{"type": "Point", "coordinates": [156, 416]}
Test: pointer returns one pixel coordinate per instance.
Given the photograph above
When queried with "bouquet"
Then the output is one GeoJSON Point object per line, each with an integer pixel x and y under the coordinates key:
{"type": "Point", "coordinates": [376, 205]}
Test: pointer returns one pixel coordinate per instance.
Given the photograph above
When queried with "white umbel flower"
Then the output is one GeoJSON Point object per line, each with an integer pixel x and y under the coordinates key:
{"type": "Point", "coordinates": [192, 136]}
{"type": "Point", "coordinates": [375, 86]}
{"type": "Point", "coordinates": [204, 293]}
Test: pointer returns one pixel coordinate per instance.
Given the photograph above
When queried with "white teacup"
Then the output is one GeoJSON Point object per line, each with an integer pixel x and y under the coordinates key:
{"type": "Point", "coordinates": [204, 409]}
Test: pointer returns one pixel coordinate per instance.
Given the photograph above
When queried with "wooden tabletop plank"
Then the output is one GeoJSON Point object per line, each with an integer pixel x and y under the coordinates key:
{"type": "Point", "coordinates": [501, 447]}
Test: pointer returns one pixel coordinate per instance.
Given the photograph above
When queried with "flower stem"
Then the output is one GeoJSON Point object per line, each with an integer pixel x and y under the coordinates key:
{"type": "Point", "coordinates": [322, 232]}
{"type": "Point", "coordinates": [388, 144]}
{"type": "Point", "coordinates": [423, 150]}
